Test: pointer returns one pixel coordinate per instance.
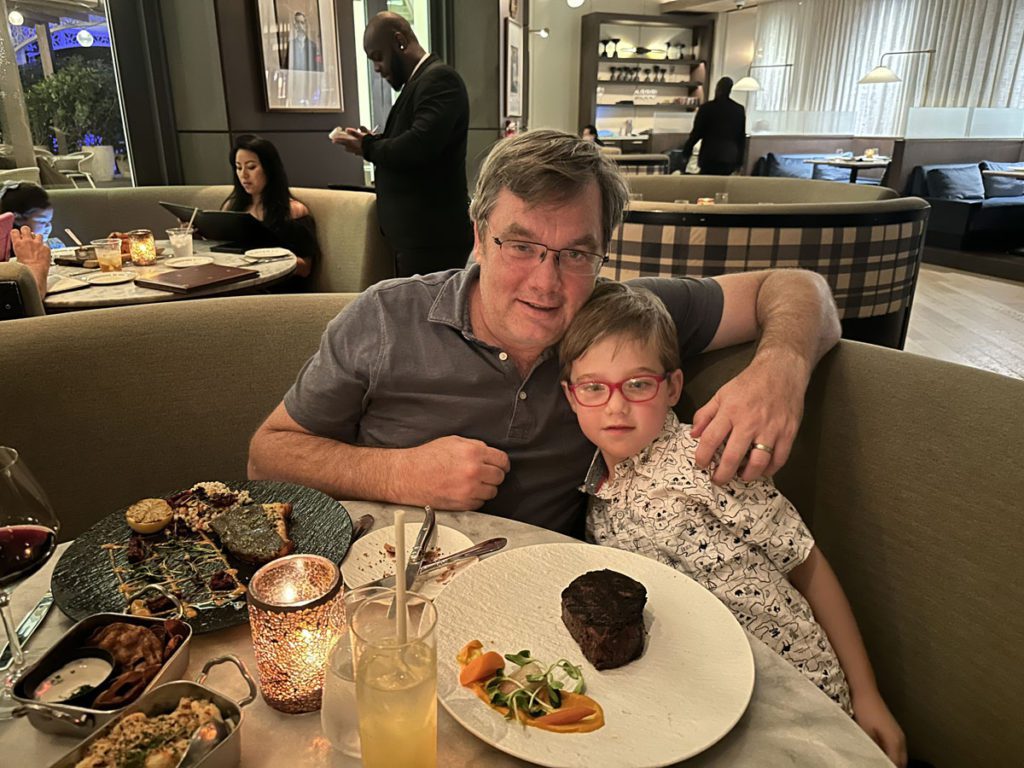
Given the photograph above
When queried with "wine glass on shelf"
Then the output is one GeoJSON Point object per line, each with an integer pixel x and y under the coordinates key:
{"type": "Point", "coordinates": [28, 537]}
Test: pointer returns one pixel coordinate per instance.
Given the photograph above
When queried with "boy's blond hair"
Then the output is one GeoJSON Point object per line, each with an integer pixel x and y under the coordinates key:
{"type": "Point", "coordinates": [616, 309]}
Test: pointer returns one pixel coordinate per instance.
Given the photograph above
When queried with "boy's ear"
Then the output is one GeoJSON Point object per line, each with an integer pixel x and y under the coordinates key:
{"type": "Point", "coordinates": [568, 396]}
{"type": "Point", "coordinates": [674, 382]}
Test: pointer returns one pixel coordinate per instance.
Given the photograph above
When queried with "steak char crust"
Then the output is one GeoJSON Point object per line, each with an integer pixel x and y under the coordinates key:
{"type": "Point", "coordinates": [604, 613]}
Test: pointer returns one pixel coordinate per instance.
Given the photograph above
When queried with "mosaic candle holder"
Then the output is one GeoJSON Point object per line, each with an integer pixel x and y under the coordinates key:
{"type": "Point", "coordinates": [294, 611]}
{"type": "Point", "coordinates": [142, 247]}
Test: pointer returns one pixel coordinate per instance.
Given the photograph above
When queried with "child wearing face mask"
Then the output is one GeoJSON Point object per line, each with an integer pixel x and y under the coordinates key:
{"type": "Point", "coordinates": [32, 208]}
{"type": "Point", "coordinates": [743, 541]}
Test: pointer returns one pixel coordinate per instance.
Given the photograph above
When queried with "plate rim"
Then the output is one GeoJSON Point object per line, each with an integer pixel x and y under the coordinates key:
{"type": "Point", "coordinates": [747, 660]}
{"type": "Point", "coordinates": [194, 261]}
{"type": "Point", "coordinates": [123, 275]}
{"type": "Point", "coordinates": [262, 253]}
{"type": "Point", "coordinates": [382, 531]}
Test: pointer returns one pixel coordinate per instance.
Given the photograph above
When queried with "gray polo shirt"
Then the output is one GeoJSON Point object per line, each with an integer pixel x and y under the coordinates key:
{"type": "Point", "coordinates": [400, 366]}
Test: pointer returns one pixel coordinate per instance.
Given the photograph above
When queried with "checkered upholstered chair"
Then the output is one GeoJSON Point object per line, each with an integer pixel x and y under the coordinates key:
{"type": "Point", "coordinates": [868, 252]}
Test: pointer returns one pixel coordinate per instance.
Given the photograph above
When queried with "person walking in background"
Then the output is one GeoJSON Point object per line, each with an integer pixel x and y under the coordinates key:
{"type": "Point", "coordinates": [261, 189]}
{"type": "Point", "coordinates": [589, 133]}
{"type": "Point", "coordinates": [721, 127]}
{"type": "Point", "coordinates": [420, 158]}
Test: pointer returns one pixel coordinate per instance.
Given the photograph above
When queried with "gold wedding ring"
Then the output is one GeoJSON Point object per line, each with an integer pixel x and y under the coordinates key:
{"type": "Point", "coordinates": [762, 447]}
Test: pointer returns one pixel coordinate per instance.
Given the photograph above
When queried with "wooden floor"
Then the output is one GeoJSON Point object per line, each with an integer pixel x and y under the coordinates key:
{"type": "Point", "coordinates": [968, 319]}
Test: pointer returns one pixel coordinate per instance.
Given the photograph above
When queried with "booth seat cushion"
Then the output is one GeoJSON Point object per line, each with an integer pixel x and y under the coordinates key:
{"type": "Point", "coordinates": [1001, 186]}
{"type": "Point", "coordinates": [956, 182]}
{"type": "Point", "coordinates": [999, 213]}
{"type": "Point", "coordinates": [790, 166]}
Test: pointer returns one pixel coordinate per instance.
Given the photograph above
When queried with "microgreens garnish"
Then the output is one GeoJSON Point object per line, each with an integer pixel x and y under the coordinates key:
{"type": "Point", "coordinates": [541, 694]}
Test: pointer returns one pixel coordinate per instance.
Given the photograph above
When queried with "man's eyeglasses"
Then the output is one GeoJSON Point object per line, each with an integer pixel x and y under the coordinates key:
{"type": "Point", "coordinates": [638, 389]}
{"type": "Point", "coordinates": [568, 260]}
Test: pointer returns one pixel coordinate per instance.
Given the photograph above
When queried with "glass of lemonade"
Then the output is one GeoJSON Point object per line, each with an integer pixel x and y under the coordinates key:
{"type": "Point", "coordinates": [396, 683]}
{"type": "Point", "coordinates": [181, 241]}
{"type": "Point", "coordinates": [338, 718]}
{"type": "Point", "coordinates": [108, 253]}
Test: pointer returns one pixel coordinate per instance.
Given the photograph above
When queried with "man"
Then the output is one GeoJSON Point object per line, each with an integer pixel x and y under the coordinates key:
{"type": "Point", "coordinates": [721, 126]}
{"type": "Point", "coordinates": [420, 159]}
{"type": "Point", "coordinates": [303, 52]}
{"type": "Point", "coordinates": [444, 389]}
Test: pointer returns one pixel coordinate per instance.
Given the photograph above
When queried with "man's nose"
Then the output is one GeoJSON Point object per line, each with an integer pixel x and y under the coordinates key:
{"type": "Point", "coordinates": [547, 270]}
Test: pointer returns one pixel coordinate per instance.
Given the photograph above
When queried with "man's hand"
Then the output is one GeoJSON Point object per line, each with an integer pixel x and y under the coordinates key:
{"type": "Point", "coordinates": [31, 251]}
{"type": "Point", "coordinates": [351, 140]}
{"type": "Point", "coordinates": [877, 721]}
{"type": "Point", "coordinates": [453, 472]}
{"type": "Point", "coordinates": [763, 405]}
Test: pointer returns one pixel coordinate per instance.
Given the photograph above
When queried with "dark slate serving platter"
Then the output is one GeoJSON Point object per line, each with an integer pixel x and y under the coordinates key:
{"type": "Point", "coordinates": [84, 582]}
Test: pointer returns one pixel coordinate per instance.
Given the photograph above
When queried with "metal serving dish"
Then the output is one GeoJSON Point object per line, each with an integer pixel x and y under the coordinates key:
{"type": "Point", "coordinates": [164, 698]}
{"type": "Point", "coordinates": [69, 720]}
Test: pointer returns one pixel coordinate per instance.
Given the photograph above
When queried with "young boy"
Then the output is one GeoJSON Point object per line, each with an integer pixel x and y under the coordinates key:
{"type": "Point", "coordinates": [743, 541]}
{"type": "Point", "coordinates": [31, 207]}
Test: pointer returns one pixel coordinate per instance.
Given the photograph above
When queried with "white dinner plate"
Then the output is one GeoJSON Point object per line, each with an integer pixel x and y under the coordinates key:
{"type": "Point", "coordinates": [372, 557]}
{"type": "Point", "coordinates": [267, 253]}
{"type": "Point", "coordinates": [178, 262]}
{"type": "Point", "coordinates": [112, 278]}
{"type": "Point", "coordinates": [688, 690]}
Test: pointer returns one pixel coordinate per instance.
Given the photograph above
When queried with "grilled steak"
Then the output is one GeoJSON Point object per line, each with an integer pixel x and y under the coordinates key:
{"type": "Point", "coordinates": [255, 533]}
{"type": "Point", "coordinates": [604, 613]}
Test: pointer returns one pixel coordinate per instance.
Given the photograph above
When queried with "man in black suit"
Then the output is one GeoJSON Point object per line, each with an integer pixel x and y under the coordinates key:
{"type": "Point", "coordinates": [721, 125]}
{"type": "Point", "coordinates": [303, 51]}
{"type": "Point", "coordinates": [420, 158]}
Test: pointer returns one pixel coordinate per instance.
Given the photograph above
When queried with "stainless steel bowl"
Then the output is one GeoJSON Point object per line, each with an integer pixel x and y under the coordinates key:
{"type": "Point", "coordinates": [164, 698]}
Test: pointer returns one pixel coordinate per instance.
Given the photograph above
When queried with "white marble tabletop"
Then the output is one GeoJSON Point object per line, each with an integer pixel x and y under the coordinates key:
{"type": "Point", "coordinates": [129, 293]}
{"type": "Point", "coordinates": [789, 722]}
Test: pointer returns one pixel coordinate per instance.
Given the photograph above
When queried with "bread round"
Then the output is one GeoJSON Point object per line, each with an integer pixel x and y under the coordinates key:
{"type": "Point", "coordinates": [148, 515]}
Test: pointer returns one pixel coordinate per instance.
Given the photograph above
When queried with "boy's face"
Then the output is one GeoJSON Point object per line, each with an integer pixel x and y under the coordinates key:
{"type": "Point", "coordinates": [621, 428]}
{"type": "Point", "coordinates": [40, 221]}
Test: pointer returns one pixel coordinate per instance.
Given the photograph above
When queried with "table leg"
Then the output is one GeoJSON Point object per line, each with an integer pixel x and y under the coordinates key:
{"type": "Point", "coordinates": [853, 175]}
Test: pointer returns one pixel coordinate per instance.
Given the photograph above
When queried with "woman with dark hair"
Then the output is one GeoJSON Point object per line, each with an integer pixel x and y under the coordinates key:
{"type": "Point", "coordinates": [261, 189]}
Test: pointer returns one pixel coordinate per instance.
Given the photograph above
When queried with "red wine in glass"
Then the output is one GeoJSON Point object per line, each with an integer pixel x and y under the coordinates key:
{"type": "Point", "coordinates": [23, 550]}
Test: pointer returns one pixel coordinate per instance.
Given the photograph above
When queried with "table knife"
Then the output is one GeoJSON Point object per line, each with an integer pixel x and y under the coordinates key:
{"type": "Point", "coordinates": [424, 540]}
{"type": "Point", "coordinates": [477, 550]}
{"type": "Point", "coordinates": [28, 625]}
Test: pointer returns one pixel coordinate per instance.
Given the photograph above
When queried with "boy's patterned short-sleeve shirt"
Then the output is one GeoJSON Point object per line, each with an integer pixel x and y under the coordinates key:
{"type": "Point", "coordinates": [739, 541]}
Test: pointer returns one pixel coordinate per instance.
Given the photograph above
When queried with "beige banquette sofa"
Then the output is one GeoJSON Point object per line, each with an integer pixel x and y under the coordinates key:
{"type": "Point", "coordinates": [906, 468]}
{"type": "Point", "coordinates": [354, 253]}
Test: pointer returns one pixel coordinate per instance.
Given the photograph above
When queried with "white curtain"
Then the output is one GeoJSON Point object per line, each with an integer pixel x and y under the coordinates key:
{"type": "Point", "coordinates": [978, 59]}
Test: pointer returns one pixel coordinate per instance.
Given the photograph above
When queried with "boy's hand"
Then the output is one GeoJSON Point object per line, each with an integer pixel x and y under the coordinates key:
{"type": "Point", "coordinates": [877, 721]}
{"type": "Point", "coordinates": [763, 405]}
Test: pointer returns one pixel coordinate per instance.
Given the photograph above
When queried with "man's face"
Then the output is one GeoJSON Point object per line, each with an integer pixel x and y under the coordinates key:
{"type": "Point", "coordinates": [526, 308]}
{"type": "Point", "coordinates": [382, 51]}
{"type": "Point", "coordinates": [300, 25]}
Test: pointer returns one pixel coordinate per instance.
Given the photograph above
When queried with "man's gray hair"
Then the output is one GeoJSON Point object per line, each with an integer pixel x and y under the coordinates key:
{"type": "Point", "coordinates": [546, 166]}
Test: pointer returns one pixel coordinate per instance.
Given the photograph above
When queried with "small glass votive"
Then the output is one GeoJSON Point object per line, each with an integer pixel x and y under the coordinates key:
{"type": "Point", "coordinates": [295, 611]}
{"type": "Point", "coordinates": [142, 247]}
{"type": "Point", "coordinates": [722, 198]}
{"type": "Point", "coordinates": [705, 201]}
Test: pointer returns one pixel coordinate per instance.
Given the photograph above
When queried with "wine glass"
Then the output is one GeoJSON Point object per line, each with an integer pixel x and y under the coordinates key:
{"type": "Point", "coordinates": [28, 537]}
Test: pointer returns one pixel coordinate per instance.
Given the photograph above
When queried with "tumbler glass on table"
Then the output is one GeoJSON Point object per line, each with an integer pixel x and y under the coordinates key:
{"type": "Point", "coordinates": [108, 253]}
{"type": "Point", "coordinates": [338, 718]}
{"type": "Point", "coordinates": [396, 683]}
{"type": "Point", "coordinates": [181, 241]}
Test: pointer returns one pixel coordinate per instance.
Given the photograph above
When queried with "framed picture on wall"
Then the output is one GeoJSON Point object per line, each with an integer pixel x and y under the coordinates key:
{"type": "Point", "coordinates": [299, 48]}
{"type": "Point", "coordinates": [513, 69]}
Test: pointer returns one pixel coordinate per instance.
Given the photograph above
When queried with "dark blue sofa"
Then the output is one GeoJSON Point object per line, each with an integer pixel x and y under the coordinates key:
{"type": "Point", "coordinates": [792, 166]}
{"type": "Point", "coordinates": [969, 210]}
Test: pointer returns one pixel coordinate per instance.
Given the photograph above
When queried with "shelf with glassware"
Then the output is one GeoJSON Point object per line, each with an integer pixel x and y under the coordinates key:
{"type": "Point", "coordinates": [634, 68]}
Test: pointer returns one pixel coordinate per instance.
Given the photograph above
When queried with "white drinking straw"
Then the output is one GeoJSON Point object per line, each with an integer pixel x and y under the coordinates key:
{"type": "Point", "coordinates": [72, 235]}
{"type": "Point", "coordinates": [400, 630]}
{"type": "Point", "coordinates": [194, 212]}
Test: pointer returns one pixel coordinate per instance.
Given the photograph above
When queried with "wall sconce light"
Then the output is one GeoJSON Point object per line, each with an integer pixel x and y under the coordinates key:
{"type": "Point", "coordinates": [574, 3]}
{"type": "Point", "coordinates": [543, 32]}
{"type": "Point", "coordinates": [748, 83]}
{"type": "Point", "coordinates": [882, 73]}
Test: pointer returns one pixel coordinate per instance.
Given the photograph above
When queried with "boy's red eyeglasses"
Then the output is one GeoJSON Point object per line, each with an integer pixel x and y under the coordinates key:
{"type": "Point", "coordinates": [636, 389]}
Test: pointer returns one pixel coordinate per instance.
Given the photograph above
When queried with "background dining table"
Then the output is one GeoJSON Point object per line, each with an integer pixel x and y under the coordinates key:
{"type": "Point", "coordinates": [95, 296]}
{"type": "Point", "coordinates": [788, 721]}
